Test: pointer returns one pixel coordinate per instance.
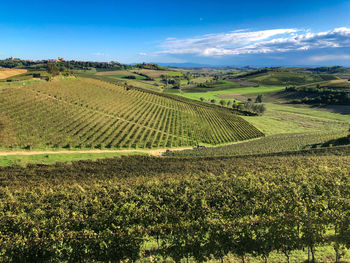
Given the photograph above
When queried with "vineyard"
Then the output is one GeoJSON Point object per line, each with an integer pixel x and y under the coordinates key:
{"type": "Point", "coordinates": [88, 113]}
{"type": "Point", "coordinates": [231, 209]}
{"type": "Point", "coordinates": [270, 144]}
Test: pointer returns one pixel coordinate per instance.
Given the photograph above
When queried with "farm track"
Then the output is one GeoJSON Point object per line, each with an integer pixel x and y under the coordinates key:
{"type": "Point", "coordinates": [154, 152]}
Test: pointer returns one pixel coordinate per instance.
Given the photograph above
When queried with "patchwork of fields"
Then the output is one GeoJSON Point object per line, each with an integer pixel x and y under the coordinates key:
{"type": "Point", "coordinates": [88, 113]}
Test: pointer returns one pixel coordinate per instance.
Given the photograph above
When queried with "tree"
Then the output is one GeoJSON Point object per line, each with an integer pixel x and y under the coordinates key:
{"type": "Point", "coordinates": [222, 103]}
{"type": "Point", "coordinates": [52, 69]}
{"type": "Point", "coordinates": [259, 98]}
{"type": "Point", "coordinates": [213, 101]}
{"type": "Point", "coordinates": [202, 99]}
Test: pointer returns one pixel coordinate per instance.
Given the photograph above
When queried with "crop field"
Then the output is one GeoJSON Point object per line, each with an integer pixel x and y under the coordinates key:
{"type": "Point", "coordinates": [87, 113]}
{"type": "Point", "coordinates": [157, 73]}
{"type": "Point", "coordinates": [146, 209]}
{"type": "Point", "coordinates": [288, 78]}
{"type": "Point", "coordinates": [278, 143]}
{"type": "Point", "coordinates": [209, 94]}
{"type": "Point", "coordinates": [6, 73]}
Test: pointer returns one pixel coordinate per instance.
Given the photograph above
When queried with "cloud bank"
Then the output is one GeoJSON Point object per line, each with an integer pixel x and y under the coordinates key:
{"type": "Point", "coordinates": [257, 42]}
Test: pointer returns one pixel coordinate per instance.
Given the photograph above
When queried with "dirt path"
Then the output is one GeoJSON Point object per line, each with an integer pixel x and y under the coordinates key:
{"type": "Point", "coordinates": [154, 152]}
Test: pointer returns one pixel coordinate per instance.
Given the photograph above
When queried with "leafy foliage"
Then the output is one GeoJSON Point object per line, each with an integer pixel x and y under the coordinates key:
{"type": "Point", "coordinates": [199, 208]}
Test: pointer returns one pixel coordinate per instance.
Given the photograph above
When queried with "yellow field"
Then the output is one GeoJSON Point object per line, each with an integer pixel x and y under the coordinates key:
{"type": "Point", "coordinates": [157, 73]}
{"type": "Point", "coordinates": [116, 72]}
{"type": "Point", "coordinates": [6, 73]}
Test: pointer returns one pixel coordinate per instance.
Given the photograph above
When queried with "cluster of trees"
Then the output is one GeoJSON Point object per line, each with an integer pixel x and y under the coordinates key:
{"type": "Point", "coordinates": [15, 63]}
{"type": "Point", "coordinates": [110, 209]}
{"type": "Point", "coordinates": [248, 106]}
{"type": "Point", "coordinates": [321, 95]}
{"type": "Point", "coordinates": [174, 81]}
{"type": "Point", "coordinates": [72, 64]}
{"type": "Point", "coordinates": [329, 70]}
{"type": "Point", "coordinates": [255, 107]}
{"type": "Point", "coordinates": [53, 69]}
{"type": "Point", "coordinates": [149, 66]}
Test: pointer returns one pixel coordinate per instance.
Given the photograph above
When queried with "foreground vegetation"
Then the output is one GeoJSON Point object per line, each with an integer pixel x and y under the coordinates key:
{"type": "Point", "coordinates": [195, 209]}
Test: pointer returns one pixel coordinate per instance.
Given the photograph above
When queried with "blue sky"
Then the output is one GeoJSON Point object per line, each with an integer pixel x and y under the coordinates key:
{"type": "Point", "coordinates": [260, 33]}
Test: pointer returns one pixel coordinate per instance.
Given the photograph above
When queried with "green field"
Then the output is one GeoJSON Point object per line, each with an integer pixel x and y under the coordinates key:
{"type": "Point", "coordinates": [288, 119]}
{"type": "Point", "coordinates": [88, 113]}
{"type": "Point", "coordinates": [287, 77]}
{"type": "Point", "coordinates": [24, 160]}
{"type": "Point", "coordinates": [239, 90]}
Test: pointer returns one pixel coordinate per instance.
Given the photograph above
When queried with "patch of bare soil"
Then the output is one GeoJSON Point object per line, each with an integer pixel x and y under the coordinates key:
{"type": "Point", "coordinates": [236, 96]}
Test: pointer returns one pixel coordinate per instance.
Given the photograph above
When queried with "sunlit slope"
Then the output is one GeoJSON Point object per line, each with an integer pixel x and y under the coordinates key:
{"type": "Point", "coordinates": [92, 113]}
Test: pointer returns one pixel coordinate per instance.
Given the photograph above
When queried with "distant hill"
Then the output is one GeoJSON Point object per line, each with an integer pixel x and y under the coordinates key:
{"type": "Point", "coordinates": [284, 76]}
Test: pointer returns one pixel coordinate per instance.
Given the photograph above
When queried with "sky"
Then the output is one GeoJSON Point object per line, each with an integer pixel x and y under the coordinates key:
{"type": "Point", "coordinates": [220, 33]}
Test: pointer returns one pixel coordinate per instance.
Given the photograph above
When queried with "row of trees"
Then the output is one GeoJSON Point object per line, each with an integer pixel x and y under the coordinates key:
{"type": "Point", "coordinates": [321, 94]}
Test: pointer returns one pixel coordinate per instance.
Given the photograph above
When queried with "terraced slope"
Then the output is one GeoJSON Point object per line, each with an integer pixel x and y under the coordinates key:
{"type": "Point", "coordinates": [91, 113]}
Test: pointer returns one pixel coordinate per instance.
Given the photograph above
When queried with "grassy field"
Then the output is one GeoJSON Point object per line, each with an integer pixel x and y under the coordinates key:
{"type": "Point", "coordinates": [287, 77]}
{"type": "Point", "coordinates": [239, 90]}
{"type": "Point", "coordinates": [6, 73]}
{"type": "Point", "coordinates": [288, 119]}
{"type": "Point", "coordinates": [24, 160]}
{"type": "Point", "coordinates": [88, 113]}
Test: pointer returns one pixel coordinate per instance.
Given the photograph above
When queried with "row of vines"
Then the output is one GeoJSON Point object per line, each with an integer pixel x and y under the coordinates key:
{"type": "Point", "coordinates": [175, 209]}
{"type": "Point", "coordinates": [90, 113]}
{"type": "Point", "coordinates": [270, 144]}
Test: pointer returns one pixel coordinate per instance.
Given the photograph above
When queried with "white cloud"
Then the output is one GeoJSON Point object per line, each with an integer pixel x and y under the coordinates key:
{"type": "Point", "coordinates": [329, 57]}
{"type": "Point", "coordinates": [255, 42]}
{"type": "Point", "coordinates": [142, 54]}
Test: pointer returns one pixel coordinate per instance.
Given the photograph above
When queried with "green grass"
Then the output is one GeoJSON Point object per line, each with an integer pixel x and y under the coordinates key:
{"type": "Point", "coordinates": [288, 119]}
{"type": "Point", "coordinates": [240, 90]}
{"type": "Point", "coordinates": [59, 157]}
{"type": "Point", "coordinates": [286, 77]}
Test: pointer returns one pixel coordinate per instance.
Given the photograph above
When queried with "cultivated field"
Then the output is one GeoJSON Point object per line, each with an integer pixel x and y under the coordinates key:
{"type": "Point", "coordinates": [89, 113]}
{"type": "Point", "coordinates": [6, 73]}
{"type": "Point", "coordinates": [143, 209]}
{"type": "Point", "coordinates": [278, 143]}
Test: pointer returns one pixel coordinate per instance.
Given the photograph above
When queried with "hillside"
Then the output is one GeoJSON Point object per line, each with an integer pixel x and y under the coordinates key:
{"type": "Point", "coordinates": [284, 77]}
{"type": "Point", "coordinates": [88, 113]}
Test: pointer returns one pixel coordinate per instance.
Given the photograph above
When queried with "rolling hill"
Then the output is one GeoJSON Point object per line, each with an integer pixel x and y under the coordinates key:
{"type": "Point", "coordinates": [284, 77]}
{"type": "Point", "coordinates": [86, 113]}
